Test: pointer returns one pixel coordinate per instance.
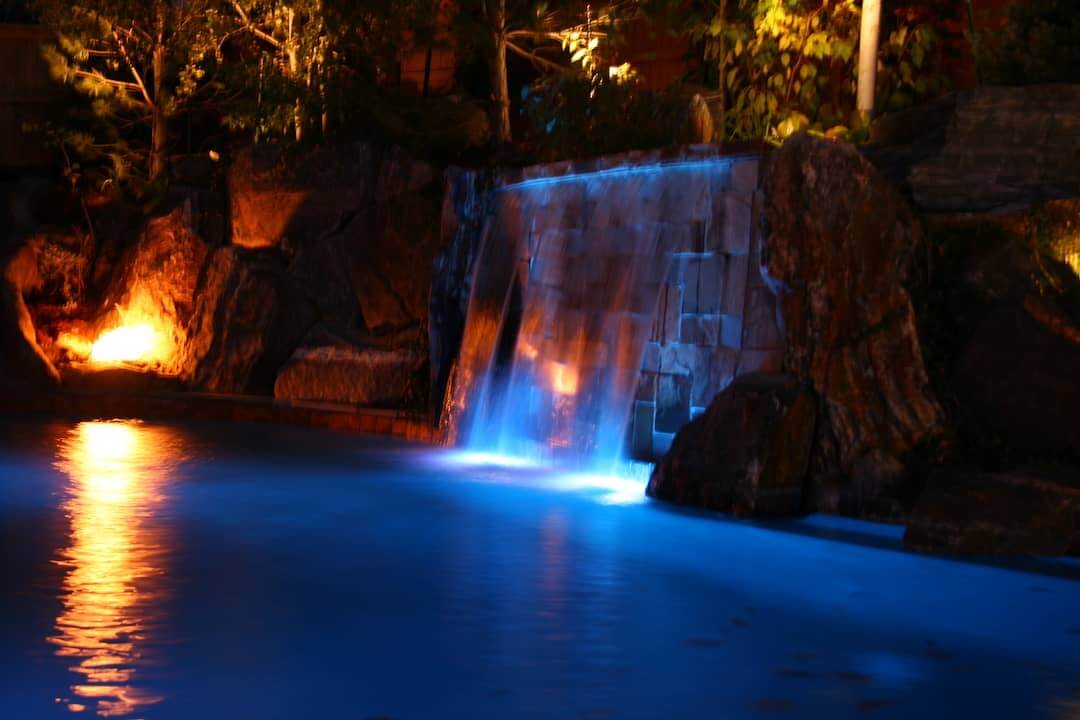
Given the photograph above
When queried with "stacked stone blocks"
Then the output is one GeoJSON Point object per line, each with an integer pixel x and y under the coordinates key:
{"type": "Point", "coordinates": [649, 279]}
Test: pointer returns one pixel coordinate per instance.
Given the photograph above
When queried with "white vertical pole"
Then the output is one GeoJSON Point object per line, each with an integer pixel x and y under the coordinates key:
{"type": "Point", "coordinates": [868, 50]}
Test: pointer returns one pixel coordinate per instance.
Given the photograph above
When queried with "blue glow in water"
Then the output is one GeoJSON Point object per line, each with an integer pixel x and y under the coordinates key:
{"type": "Point", "coordinates": [166, 572]}
{"type": "Point", "coordinates": [623, 484]}
{"type": "Point", "coordinates": [565, 300]}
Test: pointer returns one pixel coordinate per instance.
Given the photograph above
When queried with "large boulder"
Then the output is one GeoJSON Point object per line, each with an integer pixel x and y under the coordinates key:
{"type": "Point", "coordinates": [344, 237]}
{"type": "Point", "coordinates": [329, 367]}
{"type": "Point", "coordinates": [1018, 513]}
{"type": "Point", "coordinates": [321, 271]}
{"type": "Point", "coordinates": [278, 201]}
{"type": "Point", "coordinates": [1004, 146]}
{"type": "Point", "coordinates": [748, 454]}
{"type": "Point", "coordinates": [837, 247]}
{"type": "Point", "coordinates": [156, 280]}
{"type": "Point", "coordinates": [355, 223]}
{"type": "Point", "coordinates": [393, 249]}
{"type": "Point", "coordinates": [1005, 327]}
{"type": "Point", "coordinates": [249, 318]}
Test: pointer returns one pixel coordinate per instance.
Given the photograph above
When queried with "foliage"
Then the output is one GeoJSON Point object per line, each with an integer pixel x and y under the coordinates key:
{"type": "Point", "coordinates": [139, 62]}
{"type": "Point", "coordinates": [1039, 44]}
{"type": "Point", "coordinates": [557, 37]}
{"type": "Point", "coordinates": [789, 65]}
{"type": "Point", "coordinates": [277, 70]}
{"type": "Point", "coordinates": [297, 63]}
{"type": "Point", "coordinates": [907, 61]}
{"type": "Point", "coordinates": [577, 116]}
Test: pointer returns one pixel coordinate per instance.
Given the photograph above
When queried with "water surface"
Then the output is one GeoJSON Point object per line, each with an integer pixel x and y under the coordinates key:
{"type": "Point", "coordinates": [210, 571]}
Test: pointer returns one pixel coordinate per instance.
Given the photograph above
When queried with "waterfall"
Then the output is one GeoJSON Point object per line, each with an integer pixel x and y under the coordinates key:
{"type": "Point", "coordinates": [571, 270]}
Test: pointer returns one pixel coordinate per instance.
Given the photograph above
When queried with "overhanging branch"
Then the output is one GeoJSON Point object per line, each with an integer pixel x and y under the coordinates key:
{"type": "Point", "coordinates": [533, 57]}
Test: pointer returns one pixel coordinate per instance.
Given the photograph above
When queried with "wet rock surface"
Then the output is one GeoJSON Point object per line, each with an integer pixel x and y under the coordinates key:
{"type": "Point", "coordinates": [837, 247]}
{"type": "Point", "coordinates": [1017, 513]}
{"type": "Point", "coordinates": [465, 203]}
{"type": "Point", "coordinates": [748, 454]}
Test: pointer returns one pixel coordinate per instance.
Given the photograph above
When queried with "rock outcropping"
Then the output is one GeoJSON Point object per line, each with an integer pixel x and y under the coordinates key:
{"type": "Point", "coordinates": [1004, 146]}
{"type": "Point", "coordinates": [837, 242]}
{"type": "Point", "coordinates": [328, 367]}
{"type": "Point", "coordinates": [158, 277]}
{"type": "Point", "coordinates": [1003, 317]}
{"type": "Point", "coordinates": [248, 319]}
{"type": "Point", "coordinates": [23, 365]}
{"type": "Point", "coordinates": [355, 233]}
{"type": "Point", "coordinates": [986, 513]}
{"type": "Point", "coordinates": [748, 453]}
{"type": "Point", "coordinates": [837, 247]}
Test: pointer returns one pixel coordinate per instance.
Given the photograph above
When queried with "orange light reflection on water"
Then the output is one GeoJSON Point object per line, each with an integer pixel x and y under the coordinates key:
{"type": "Point", "coordinates": [115, 561]}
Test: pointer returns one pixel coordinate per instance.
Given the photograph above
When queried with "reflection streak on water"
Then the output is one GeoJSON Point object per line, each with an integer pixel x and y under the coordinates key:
{"type": "Point", "coordinates": [115, 561]}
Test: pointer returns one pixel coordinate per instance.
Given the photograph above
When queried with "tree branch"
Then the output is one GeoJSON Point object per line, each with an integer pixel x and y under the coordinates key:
{"type": "Point", "coordinates": [533, 57]}
{"type": "Point", "coordinates": [254, 29]}
{"type": "Point", "coordinates": [96, 75]}
{"type": "Point", "coordinates": [131, 66]}
{"type": "Point", "coordinates": [135, 33]}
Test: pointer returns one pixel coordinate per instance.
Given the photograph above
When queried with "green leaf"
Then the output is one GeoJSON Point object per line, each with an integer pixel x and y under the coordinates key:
{"type": "Point", "coordinates": [918, 55]}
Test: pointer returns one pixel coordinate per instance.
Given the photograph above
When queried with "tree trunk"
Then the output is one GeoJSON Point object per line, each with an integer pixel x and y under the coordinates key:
{"type": "Point", "coordinates": [868, 51]}
{"type": "Point", "coordinates": [158, 122]}
{"type": "Point", "coordinates": [973, 38]}
{"type": "Point", "coordinates": [293, 56]}
{"type": "Point", "coordinates": [499, 85]}
{"type": "Point", "coordinates": [427, 71]}
{"type": "Point", "coordinates": [721, 131]}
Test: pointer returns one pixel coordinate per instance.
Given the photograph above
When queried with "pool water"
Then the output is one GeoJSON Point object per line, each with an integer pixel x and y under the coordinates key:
{"type": "Point", "coordinates": [211, 571]}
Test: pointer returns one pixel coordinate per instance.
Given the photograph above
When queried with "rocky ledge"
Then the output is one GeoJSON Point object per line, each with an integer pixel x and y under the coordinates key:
{"type": "Point", "coordinates": [859, 423]}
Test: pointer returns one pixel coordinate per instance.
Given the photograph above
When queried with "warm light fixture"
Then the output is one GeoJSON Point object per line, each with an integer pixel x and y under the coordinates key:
{"type": "Point", "coordinates": [564, 380]}
{"type": "Point", "coordinates": [141, 335]}
{"type": "Point", "coordinates": [129, 343]}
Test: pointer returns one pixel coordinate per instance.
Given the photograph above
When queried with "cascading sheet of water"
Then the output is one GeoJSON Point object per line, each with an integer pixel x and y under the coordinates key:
{"type": "Point", "coordinates": [564, 300]}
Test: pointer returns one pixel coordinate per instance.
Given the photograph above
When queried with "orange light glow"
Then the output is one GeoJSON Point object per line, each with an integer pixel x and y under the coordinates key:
{"type": "Point", "coordinates": [1073, 261]}
{"type": "Point", "coordinates": [129, 343]}
{"type": "Point", "coordinates": [564, 379]}
{"type": "Point", "coordinates": [140, 336]}
{"type": "Point", "coordinates": [114, 562]}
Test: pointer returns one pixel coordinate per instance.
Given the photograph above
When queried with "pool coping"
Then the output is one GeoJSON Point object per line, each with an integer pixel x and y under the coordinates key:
{"type": "Point", "coordinates": [220, 407]}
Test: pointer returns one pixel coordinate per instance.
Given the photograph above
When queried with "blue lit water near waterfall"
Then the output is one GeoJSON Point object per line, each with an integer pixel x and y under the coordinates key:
{"type": "Point", "coordinates": [564, 300]}
{"type": "Point", "coordinates": [170, 572]}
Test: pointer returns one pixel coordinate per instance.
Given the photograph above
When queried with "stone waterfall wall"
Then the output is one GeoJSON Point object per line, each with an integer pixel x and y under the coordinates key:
{"type": "Point", "coordinates": [715, 318]}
